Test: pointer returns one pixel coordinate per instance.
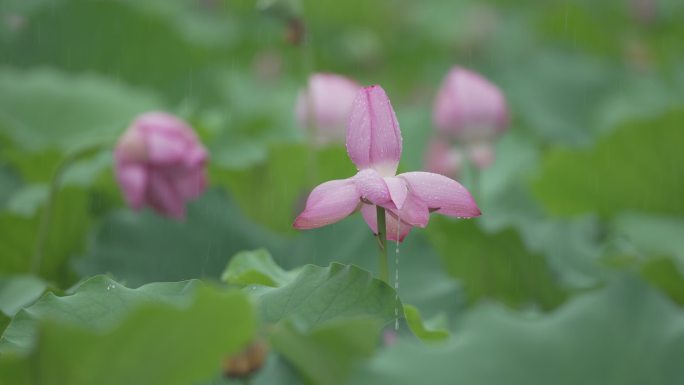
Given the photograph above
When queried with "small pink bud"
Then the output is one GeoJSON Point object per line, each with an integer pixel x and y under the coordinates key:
{"type": "Point", "coordinates": [325, 106]}
{"type": "Point", "coordinates": [161, 163]}
{"type": "Point", "coordinates": [468, 107]}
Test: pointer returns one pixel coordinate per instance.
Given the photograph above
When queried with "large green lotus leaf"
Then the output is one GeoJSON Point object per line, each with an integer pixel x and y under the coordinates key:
{"type": "Point", "coordinates": [641, 97]}
{"type": "Point", "coordinates": [144, 247]}
{"type": "Point", "coordinates": [274, 191]}
{"type": "Point", "coordinates": [593, 27]}
{"type": "Point", "coordinates": [423, 281]}
{"type": "Point", "coordinates": [255, 267]}
{"type": "Point", "coordinates": [649, 235]}
{"type": "Point", "coordinates": [636, 167]}
{"type": "Point", "coordinates": [421, 328]}
{"type": "Point", "coordinates": [247, 118]}
{"type": "Point", "coordinates": [175, 335]}
{"type": "Point", "coordinates": [665, 275]}
{"type": "Point", "coordinates": [18, 291]}
{"type": "Point", "coordinates": [258, 268]}
{"type": "Point", "coordinates": [149, 50]}
{"type": "Point", "coordinates": [70, 221]}
{"type": "Point", "coordinates": [322, 294]}
{"type": "Point", "coordinates": [44, 108]}
{"type": "Point", "coordinates": [626, 333]}
{"type": "Point", "coordinates": [571, 246]}
{"type": "Point", "coordinates": [584, 24]}
{"type": "Point", "coordinates": [15, 370]}
{"type": "Point", "coordinates": [27, 199]}
{"type": "Point", "coordinates": [97, 304]}
{"type": "Point", "coordinates": [326, 354]}
{"type": "Point", "coordinates": [496, 265]}
{"type": "Point", "coordinates": [9, 182]}
{"type": "Point", "coordinates": [533, 87]}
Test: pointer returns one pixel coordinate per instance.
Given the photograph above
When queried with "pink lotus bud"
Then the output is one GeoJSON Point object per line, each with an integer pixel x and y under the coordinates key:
{"type": "Point", "coordinates": [373, 135]}
{"type": "Point", "coordinates": [441, 158]}
{"type": "Point", "coordinates": [161, 163]}
{"type": "Point", "coordinates": [325, 105]}
{"type": "Point", "coordinates": [469, 108]}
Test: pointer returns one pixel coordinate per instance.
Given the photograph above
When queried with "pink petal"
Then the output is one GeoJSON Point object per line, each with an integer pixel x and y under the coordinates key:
{"type": "Point", "coordinates": [442, 194]}
{"type": "Point", "coordinates": [397, 189]}
{"type": "Point", "coordinates": [196, 157]}
{"type": "Point", "coordinates": [163, 196]}
{"type": "Point", "coordinates": [132, 179]}
{"type": "Point", "coordinates": [328, 203]}
{"type": "Point", "coordinates": [396, 230]}
{"type": "Point", "coordinates": [166, 147]}
{"type": "Point", "coordinates": [373, 135]}
{"type": "Point", "coordinates": [161, 120]}
{"type": "Point", "coordinates": [168, 140]}
{"type": "Point", "coordinates": [131, 147]}
{"type": "Point", "coordinates": [371, 187]}
{"type": "Point", "coordinates": [414, 212]}
{"type": "Point", "coordinates": [191, 184]}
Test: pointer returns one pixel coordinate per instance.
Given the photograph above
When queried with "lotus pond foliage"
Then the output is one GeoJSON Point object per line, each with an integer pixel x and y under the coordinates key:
{"type": "Point", "coordinates": [181, 183]}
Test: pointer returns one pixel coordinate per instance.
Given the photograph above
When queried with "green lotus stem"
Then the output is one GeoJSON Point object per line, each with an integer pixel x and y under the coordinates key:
{"type": "Point", "coordinates": [382, 245]}
{"type": "Point", "coordinates": [46, 218]}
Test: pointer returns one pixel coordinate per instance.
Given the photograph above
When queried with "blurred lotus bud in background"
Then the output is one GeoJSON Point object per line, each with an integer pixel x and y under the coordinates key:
{"type": "Point", "coordinates": [472, 112]}
{"type": "Point", "coordinates": [469, 108]}
{"type": "Point", "coordinates": [324, 106]}
{"type": "Point", "coordinates": [442, 158]}
{"type": "Point", "coordinates": [160, 163]}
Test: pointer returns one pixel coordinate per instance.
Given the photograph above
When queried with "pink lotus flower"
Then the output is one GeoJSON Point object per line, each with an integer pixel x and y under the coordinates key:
{"type": "Point", "coordinates": [161, 163]}
{"type": "Point", "coordinates": [325, 105]}
{"type": "Point", "coordinates": [374, 144]}
{"type": "Point", "coordinates": [473, 111]}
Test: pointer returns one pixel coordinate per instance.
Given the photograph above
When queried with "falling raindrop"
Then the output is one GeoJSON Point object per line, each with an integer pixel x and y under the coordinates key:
{"type": "Point", "coordinates": [396, 276]}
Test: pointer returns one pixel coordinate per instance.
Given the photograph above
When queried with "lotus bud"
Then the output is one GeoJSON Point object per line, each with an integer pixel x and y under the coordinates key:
{"type": "Point", "coordinates": [160, 162]}
{"type": "Point", "coordinates": [324, 106]}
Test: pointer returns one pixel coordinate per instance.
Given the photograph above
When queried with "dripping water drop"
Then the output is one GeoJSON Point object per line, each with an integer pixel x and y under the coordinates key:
{"type": "Point", "coordinates": [396, 276]}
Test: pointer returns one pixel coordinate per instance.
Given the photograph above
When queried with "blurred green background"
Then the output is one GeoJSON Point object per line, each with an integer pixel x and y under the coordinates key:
{"type": "Point", "coordinates": [572, 275]}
